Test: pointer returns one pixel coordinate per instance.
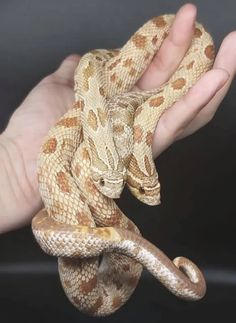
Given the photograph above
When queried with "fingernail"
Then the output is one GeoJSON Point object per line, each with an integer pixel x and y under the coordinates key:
{"type": "Point", "coordinates": [73, 57]}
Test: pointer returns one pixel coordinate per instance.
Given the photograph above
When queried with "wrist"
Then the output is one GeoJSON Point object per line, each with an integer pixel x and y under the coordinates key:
{"type": "Point", "coordinates": [19, 201]}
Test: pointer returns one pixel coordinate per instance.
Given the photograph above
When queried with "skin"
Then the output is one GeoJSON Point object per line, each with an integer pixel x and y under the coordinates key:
{"type": "Point", "coordinates": [53, 96]}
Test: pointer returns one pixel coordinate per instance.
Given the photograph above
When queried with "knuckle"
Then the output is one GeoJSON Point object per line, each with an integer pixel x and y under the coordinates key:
{"type": "Point", "coordinates": [48, 79]}
{"type": "Point", "coordinates": [166, 130]}
{"type": "Point", "coordinates": [207, 116]}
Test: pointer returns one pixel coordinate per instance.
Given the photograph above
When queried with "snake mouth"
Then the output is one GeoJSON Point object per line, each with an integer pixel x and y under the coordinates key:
{"type": "Point", "coordinates": [149, 195]}
{"type": "Point", "coordinates": [109, 187]}
{"type": "Point", "coordinates": [151, 200]}
{"type": "Point", "coordinates": [109, 192]}
{"type": "Point", "coordinates": [110, 183]}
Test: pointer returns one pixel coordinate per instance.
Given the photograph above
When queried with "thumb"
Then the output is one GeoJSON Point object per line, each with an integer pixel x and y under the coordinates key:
{"type": "Point", "coordinates": [67, 68]}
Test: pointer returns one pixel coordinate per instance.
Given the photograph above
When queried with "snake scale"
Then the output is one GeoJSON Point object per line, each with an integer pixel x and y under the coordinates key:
{"type": "Point", "coordinates": [102, 143]}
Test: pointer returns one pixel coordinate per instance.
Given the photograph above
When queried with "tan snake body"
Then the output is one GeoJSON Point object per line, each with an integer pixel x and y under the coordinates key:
{"type": "Point", "coordinates": [118, 75]}
{"type": "Point", "coordinates": [97, 146]}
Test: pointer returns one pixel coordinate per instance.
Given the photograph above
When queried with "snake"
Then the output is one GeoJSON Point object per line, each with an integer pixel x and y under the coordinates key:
{"type": "Point", "coordinates": [102, 143]}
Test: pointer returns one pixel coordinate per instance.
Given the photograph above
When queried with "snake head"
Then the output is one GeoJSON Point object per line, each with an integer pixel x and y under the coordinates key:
{"type": "Point", "coordinates": [110, 183]}
{"type": "Point", "coordinates": [146, 191]}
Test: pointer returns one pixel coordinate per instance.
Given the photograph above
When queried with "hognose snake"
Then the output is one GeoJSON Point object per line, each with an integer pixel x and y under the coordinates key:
{"type": "Point", "coordinates": [101, 143]}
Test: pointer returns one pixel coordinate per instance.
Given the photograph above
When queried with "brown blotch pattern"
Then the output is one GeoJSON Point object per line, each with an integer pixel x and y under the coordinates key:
{"type": "Point", "coordinates": [50, 146]}
{"type": "Point", "coordinates": [90, 187]}
{"type": "Point", "coordinates": [128, 62]}
{"type": "Point", "coordinates": [210, 52]}
{"type": "Point", "coordinates": [148, 166]}
{"type": "Point", "coordinates": [149, 138]}
{"type": "Point", "coordinates": [79, 104]}
{"type": "Point", "coordinates": [118, 129]}
{"type": "Point", "coordinates": [75, 300]}
{"type": "Point", "coordinates": [114, 64]}
{"type": "Point", "coordinates": [116, 302]}
{"type": "Point", "coordinates": [113, 77]}
{"type": "Point", "coordinates": [94, 308]}
{"type": "Point", "coordinates": [126, 267]}
{"type": "Point", "coordinates": [138, 133]}
{"type": "Point", "coordinates": [154, 40]}
{"type": "Point", "coordinates": [178, 84]}
{"type": "Point", "coordinates": [68, 122]}
{"type": "Point", "coordinates": [63, 182]}
{"type": "Point", "coordinates": [68, 262]}
{"type": "Point", "coordinates": [116, 217]}
{"type": "Point", "coordinates": [190, 65]}
{"type": "Point", "coordinates": [77, 170]}
{"type": "Point", "coordinates": [165, 35]}
{"type": "Point", "coordinates": [87, 287]}
{"type": "Point", "coordinates": [102, 115]}
{"type": "Point", "coordinates": [197, 33]}
{"type": "Point", "coordinates": [147, 56]}
{"type": "Point", "coordinates": [117, 282]}
{"type": "Point", "coordinates": [134, 167]}
{"type": "Point", "coordinates": [67, 283]}
{"type": "Point", "coordinates": [67, 142]}
{"type": "Point", "coordinates": [83, 219]}
{"type": "Point", "coordinates": [132, 71]}
{"type": "Point", "coordinates": [85, 154]}
{"type": "Point", "coordinates": [139, 40]}
{"type": "Point", "coordinates": [156, 102]}
{"type": "Point", "coordinates": [126, 160]}
{"type": "Point", "coordinates": [98, 58]}
{"type": "Point", "coordinates": [159, 21]}
{"type": "Point", "coordinates": [92, 120]}
{"type": "Point", "coordinates": [57, 208]}
{"type": "Point", "coordinates": [87, 73]}
{"type": "Point", "coordinates": [102, 91]}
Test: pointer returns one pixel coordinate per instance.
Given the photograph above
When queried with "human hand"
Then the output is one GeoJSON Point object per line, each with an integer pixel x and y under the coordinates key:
{"type": "Point", "coordinates": [21, 141]}
{"type": "Point", "coordinates": [53, 96]}
{"type": "Point", "coordinates": [199, 106]}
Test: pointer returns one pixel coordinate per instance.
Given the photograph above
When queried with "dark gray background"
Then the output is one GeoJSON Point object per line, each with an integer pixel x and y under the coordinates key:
{"type": "Point", "coordinates": [198, 174]}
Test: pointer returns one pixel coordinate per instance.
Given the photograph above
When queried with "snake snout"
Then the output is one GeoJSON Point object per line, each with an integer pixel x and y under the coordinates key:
{"type": "Point", "coordinates": [151, 200]}
{"type": "Point", "coordinates": [148, 192]}
{"type": "Point", "coordinates": [111, 184]}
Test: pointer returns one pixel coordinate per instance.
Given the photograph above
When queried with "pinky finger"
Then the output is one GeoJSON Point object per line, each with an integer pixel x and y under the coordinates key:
{"type": "Point", "coordinates": [225, 59]}
{"type": "Point", "coordinates": [179, 116]}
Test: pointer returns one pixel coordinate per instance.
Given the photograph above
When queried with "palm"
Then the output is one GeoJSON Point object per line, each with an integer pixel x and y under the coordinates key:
{"type": "Point", "coordinates": [50, 99]}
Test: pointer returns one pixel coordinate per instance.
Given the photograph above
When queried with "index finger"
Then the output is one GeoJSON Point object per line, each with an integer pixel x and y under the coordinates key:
{"type": "Point", "coordinates": [172, 51]}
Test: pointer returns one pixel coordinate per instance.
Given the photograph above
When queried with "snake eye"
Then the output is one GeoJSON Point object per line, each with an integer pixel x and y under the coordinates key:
{"type": "Point", "coordinates": [141, 190]}
{"type": "Point", "coordinates": [102, 182]}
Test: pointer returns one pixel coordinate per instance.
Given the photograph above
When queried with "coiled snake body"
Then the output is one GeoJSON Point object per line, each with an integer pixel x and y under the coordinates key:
{"type": "Point", "coordinates": [101, 143]}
